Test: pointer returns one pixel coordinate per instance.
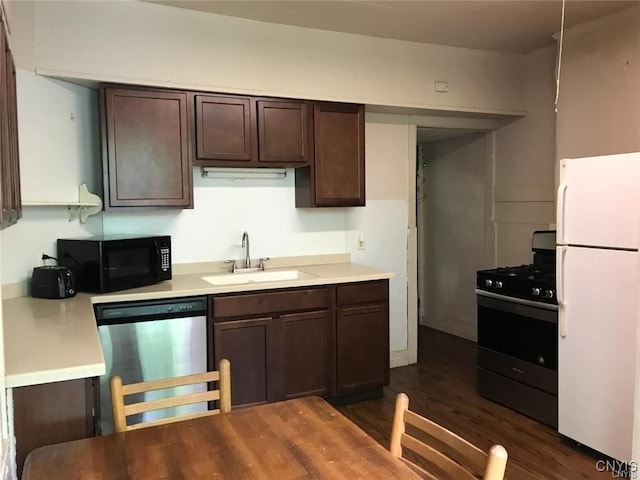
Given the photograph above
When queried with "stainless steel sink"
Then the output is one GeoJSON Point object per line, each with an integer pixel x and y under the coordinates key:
{"type": "Point", "coordinates": [255, 277]}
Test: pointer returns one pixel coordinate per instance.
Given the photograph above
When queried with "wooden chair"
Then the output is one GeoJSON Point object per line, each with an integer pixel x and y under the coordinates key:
{"type": "Point", "coordinates": [122, 411]}
{"type": "Point", "coordinates": [463, 459]}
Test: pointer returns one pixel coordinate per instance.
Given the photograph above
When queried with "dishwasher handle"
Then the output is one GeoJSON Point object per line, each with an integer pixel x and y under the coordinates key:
{"type": "Point", "coordinates": [129, 312]}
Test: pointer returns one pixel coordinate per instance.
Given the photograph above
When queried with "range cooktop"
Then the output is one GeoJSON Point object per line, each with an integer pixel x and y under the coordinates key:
{"type": "Point", "coordinates": [529, 282]}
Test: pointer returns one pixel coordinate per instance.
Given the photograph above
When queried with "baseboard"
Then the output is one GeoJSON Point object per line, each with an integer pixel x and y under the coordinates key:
{"type": "Point", "coordinates": [401, 358]}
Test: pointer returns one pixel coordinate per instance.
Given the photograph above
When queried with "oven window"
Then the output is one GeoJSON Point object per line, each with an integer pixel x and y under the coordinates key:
{"type": "Point", "coordinates": [519, 335]}
{"type": "Point", "coordinates": [128, 262]}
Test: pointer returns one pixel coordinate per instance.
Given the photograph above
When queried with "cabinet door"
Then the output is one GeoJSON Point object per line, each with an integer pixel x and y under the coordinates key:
{"type": "Point", "coordinates": [225, 130]}
{"type": "Point", "coordinates": [362, 340]}
{"type": "Point", "coordinates": [339, 154]}
{"type": "Point", "coordinates": [304, 345]}
{"type": "Point", "coordinates": [247, 344]}
{"type": "Point", "coordinates": [12, 125]}
{"type": "Point", "coordinates": [147, 162]}
{"type": "Point", "coordinates": [11, 209]}
{"type": "Point", "coordinates": [283, 132]}
{"type": "Point", "coordinates": [52, 413]}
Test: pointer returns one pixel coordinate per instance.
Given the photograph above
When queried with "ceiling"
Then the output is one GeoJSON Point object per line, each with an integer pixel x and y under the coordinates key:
{"type": "Point", "coordinates": [504, 26]}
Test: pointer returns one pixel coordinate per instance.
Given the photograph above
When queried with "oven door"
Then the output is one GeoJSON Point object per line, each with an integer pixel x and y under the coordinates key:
{"type": "Point", "coordinates": [518, 355]}
{"type": "Point", "coordinates": [519, 328]}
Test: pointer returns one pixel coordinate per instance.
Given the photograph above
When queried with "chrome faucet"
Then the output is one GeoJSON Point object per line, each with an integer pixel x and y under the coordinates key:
{"type": "Point", "coordinates": [245, 245]}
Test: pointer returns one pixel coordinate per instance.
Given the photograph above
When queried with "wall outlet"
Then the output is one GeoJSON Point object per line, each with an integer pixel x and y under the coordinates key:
{"type": "Point", "coordinates": [360, 241]}
{"type": "Point", "coordinates": [441, 86]}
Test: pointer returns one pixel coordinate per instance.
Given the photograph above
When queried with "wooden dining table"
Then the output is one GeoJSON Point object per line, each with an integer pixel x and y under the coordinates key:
{"type": "Point", "coordinates": [305, 438]}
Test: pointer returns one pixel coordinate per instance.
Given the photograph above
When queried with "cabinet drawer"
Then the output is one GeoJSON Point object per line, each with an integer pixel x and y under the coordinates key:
{"type": "Point", "coordinates": [261, 303]}
{"type": "Point", "coordinates": [365, 292]}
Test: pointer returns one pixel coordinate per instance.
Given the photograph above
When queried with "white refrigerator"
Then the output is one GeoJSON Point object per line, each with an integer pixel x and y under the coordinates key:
{"type": "Point", "coordinates": [598, 232]}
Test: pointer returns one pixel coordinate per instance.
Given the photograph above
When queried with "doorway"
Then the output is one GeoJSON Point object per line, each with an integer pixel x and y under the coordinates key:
{"type": "Point", "coordinates": [453, 179]}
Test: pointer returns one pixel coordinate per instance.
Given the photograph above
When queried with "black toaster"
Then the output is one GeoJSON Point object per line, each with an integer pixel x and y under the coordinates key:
{"type": "Point", "coordinates": [52, 282]}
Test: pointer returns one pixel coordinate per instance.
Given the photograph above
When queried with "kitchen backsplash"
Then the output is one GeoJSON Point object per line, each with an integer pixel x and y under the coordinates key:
{"type": "Point", "coordinates": [212, 231]}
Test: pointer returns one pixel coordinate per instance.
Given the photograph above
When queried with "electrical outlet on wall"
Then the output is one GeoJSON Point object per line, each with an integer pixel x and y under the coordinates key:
{"type": "Point", "coordinates": [360, 241]}
{"type": "Point", "coordinates": [441, 86]}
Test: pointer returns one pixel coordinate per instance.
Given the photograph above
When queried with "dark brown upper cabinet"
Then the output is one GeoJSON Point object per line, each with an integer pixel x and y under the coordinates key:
{"type": "Point", "coordinates": [237, 131]}
{"type": "Point", "coordinates": [11, 203]}
{"type": "Point", "coordinates": [336, 177]}
{"type": "Point", "coordinates": [284, 135]}
{"type": "Point", "coordinates": [225, 130]}
{"type": "Point", "coordinates": [145, 148]}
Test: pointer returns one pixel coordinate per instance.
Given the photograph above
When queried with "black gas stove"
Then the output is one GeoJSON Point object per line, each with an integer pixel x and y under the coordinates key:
{"type": "Point", "coordinates": [518, 333]}
{"type": "Point", "coordinates": [535, 282]}
{"type": "Point", "coordinates": [529, 282]}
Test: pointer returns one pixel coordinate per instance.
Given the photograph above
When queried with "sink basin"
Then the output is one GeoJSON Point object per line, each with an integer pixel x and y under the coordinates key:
{"type": "Point", "coordinates": [253, 277]}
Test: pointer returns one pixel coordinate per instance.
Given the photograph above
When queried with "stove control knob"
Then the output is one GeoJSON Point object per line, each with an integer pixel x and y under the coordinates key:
{"type": "Point", "coordinates": [548, 293]}
{"type": "Point", "coordinates": [488, 282]}
{"type": "Point", "coordinates": [498, 284]}
{"type": "Point", "coordinates": [536, 291]}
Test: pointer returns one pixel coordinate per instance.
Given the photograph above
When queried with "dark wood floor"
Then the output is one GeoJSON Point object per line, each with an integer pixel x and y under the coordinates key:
{"type": "Point", "coordinates": [442, 387]}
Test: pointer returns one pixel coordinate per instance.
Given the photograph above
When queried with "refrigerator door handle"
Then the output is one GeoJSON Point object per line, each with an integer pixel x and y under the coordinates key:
{"type": "Point", "coordinates": [562, 305]}
{"type": "Point", "coordinates": [562, 194]}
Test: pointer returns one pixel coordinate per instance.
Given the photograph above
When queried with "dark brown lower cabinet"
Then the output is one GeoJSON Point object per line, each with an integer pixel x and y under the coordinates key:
{"type": "Point", "coordinates": [362, 336]}
{"type": "Point", "coordinates": [52, 413]}
{"type": "Point", "coordinates": [278, 357]}
{"type": "Point", "coordinates": [330, 341]}
{"type": "Point", "coordinates": [279, 343]}
{"type": "Point", "coordinates": [247, 344]}
{"type": "Point", "coordinates": [362, 348]}
{"type": "Point", "coordinates": [307, 359]}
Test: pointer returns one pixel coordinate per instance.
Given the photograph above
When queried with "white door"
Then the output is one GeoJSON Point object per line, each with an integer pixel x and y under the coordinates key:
{"type": "Point", "coordinates": [598, 201]}
{"type": "Point", "coordinates": [597, 296]}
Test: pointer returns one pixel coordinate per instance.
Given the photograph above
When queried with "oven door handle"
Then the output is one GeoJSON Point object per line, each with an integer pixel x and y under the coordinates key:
{"type": "Point", "coordinates": [562, 305]}
{"type": "Point", "coordinates": [519, 301]}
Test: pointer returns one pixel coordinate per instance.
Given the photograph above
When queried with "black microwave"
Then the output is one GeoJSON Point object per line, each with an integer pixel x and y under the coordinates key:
{"type": "Point", "coordinates": [109, 263]}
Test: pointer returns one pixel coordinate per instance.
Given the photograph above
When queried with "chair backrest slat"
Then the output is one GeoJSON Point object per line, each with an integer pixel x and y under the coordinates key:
{"type": "Point", "coordinates": [171, 402]}
{"type": "Point", "coordinates": [469, 463]}
{"type": "Point", "coordinates": [122, 411]}
{"type": "Point", "coordinates": [419, 470]}
{"type": "Point", "coordinates": [152, 385]}
{"type": "Point", "coordinates": [466, 449]}
{"type": "Point", "coordinates": [446, 464]}
{"type": "Point", "coordinates": [177, 418]}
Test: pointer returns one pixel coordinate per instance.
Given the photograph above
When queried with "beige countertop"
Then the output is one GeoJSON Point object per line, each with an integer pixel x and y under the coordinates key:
{"type": "Point", "coordinates": [54, 340]}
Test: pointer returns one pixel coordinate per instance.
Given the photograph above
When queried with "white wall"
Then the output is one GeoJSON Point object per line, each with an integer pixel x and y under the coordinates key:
{"type": "Point", "coordinates": [384, 221]}
{"type": "Point", "coordinates": [524, 159]}
{"type": "Point", "coordinates": [58, 144]}
{"type": "Point", "coordinates": [599, 102]}
{"type": "Point", "coordinates": [224, 209]}
{"type": "Point", "coordinates": [138, 42]}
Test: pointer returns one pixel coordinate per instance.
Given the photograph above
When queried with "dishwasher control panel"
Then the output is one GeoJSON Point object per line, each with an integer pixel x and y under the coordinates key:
{"type": "Point", "coordinates": [156, 309]}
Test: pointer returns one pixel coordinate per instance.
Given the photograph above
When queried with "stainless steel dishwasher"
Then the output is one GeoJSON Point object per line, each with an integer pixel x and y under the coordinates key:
{"type": "Point", "coordinates": [150, 340]}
